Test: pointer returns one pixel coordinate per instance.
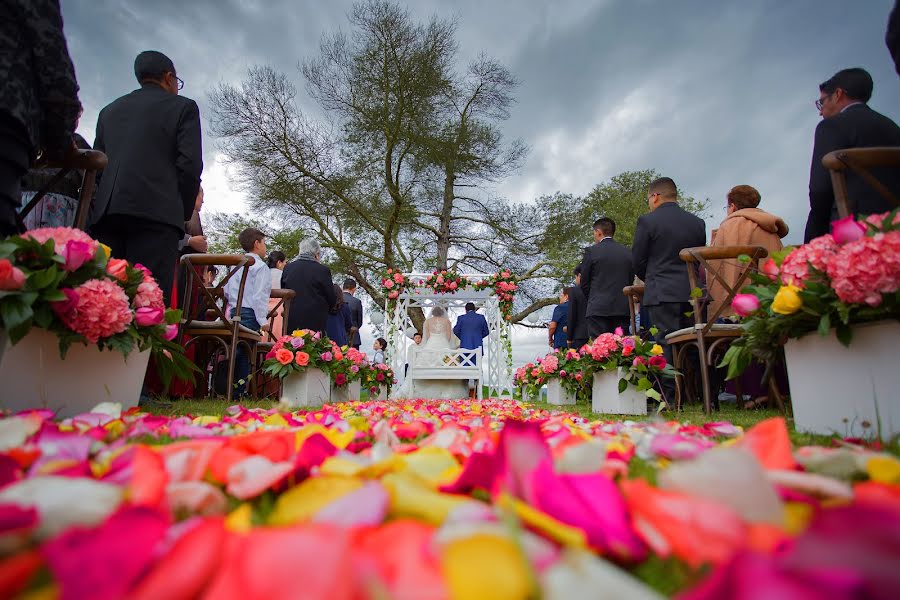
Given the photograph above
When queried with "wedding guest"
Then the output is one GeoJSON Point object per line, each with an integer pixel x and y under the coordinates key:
{"type": "Point", "coordinates": [848, 122]}
{"type": "Point", "coordinates": [255, 302]}
{"type": "Point", "coordinates": [745, 225]}
{"type": "Point", "coordinates": [149, 188]}
{"type": "Point", "coordinates": [193, 239]}
{"type": "Point", "coordinates": [659, 237]}
{"type": "Point", "coordinates": [339, 321]}
{"type": "Point", "coordinates": [39, 104]}
{"type": "Point", "coordinates": [209, 278]}
{"type": "Point", "coordinates": [276, 262]}
{"type": "Point", "coordinates": [892, 36]}
{"type": "Point", "coordinates": [577, 327]}
{"type": "Point", "coordinates": [556, 330]}
{"type": "Point", "coordinates": [605, 270]}
{"type": "Point", "coordinates": [356, 310]}
{"type": "Point", "coordinates": [411, 352]}
{"type": "Point", "coordinates": [57, 207]}
{"type": "Point", "coordinates": [311, 281]}
{"type": "Point", "coordinates": [379, 346]}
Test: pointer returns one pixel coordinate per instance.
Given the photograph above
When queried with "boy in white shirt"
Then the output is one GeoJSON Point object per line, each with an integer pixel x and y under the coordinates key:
{"type": "Point", "coordinates": [255, 302]}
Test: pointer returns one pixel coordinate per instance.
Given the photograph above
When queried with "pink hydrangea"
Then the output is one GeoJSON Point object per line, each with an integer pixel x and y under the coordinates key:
{"type": "Point", "coordinates": [61, 236]}
{"type": "Point", "coordinates": [862, 270]}
{"type": "Point", "coordinates": [878, 220]}
{"type": "Point", "coordinates": [101, 311]}
{"type": "Point", "coordinates": [550, 364]}
{"type": "Point", "coordinates": [149, 295]}
{"type": "Point", "coordinates": [604, 345]}
{"type": "Point", "coordinates": [795, 268]}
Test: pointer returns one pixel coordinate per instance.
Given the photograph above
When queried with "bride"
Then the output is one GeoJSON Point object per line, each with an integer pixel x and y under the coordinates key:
{"type": "Point", "coordinates": [437, 335]}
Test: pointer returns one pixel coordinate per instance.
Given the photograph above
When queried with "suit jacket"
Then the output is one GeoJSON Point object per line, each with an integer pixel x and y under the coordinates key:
{"type": "Point", "coordinates": [578, 325]}
{"type": "Point", "coordinates": [471, 329]}
{"type": "Point", "coordinates": [857, 127]}
{"type": "Point", "coordinates": [658, 238]}
{"type": "Point", "coordinates": [356, 312]}
{"type": "Point", "coordinates": [152, 139]}
{"type": "Point", "coordinates": [315, 294]}
{"type": "Point", "coordinates": [605, 269]}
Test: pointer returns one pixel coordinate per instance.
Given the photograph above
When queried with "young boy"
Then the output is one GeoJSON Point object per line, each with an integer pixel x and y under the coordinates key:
{"type": "Point", "coordinates": [255, 303]}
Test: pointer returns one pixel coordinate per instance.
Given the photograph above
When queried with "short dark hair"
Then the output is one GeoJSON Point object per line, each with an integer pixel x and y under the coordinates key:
{"type": "Point", "coordinates": [856, 83]}
{"type": "Point", "coordinates": [566, 290]}
{"type": "Point", "coordinates": [275, 257]}
{"type": "Point", "coordinates": [470, 306]}
{"type": "Point", "coordinates": [248, 237]}
{"type": "Point", "coordinates": [349, 284]}
{"type": "Point", "coordinates": [382, 342]}
{"type": "Point", "coordinates": [744, 196]}
{"type": "Point", "coordinates": [664, 186]}
{"type": "Point", "coordinates": [151, 65]}
{"type": "Point", "coordinates": [418, 333]}
{"type": "Point", "coordinates": [576, 271]}
{"type": "Point", "coordinates": [212, 269]}
{"type": "Point", "coordinates": [338, 297]}
{"type": "Point", "coordinates": [605, 225]}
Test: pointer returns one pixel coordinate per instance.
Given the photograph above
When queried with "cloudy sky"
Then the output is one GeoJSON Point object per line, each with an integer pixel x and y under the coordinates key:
{"type": "Point", "coordinates": [713, 94]}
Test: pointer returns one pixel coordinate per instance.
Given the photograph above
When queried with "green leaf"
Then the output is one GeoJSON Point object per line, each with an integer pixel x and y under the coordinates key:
{"type": "Point", "coordinates": [43, 278]}
{"type": "Point", "coordinates": [15, 312]}
{"type": "Point", "coordinates": [43, 316]}
{"type": "Point", "coordinates": [824, 325]}
{"type": "Point", "coordinates": [53, 296]}
{"type": "Point", "coordinates": [844, 334]}
{"type": "Point", "coordinates": [651, 393]}
{"type": "Point", "coordinates": [623, 385]}
{"type": "Point", "coordinates": [653, 331]}
{"type": "Point", "coordinates": [644, 384]}
{"type": "Point", "coordinates": [696, 293]}
{"type": "Point", "coordinates": [744, 258]}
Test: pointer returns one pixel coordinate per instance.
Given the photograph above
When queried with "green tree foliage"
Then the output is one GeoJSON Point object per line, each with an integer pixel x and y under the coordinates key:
{"type": "Point", "coordinates": [222, 230]}
{"type": "Point", "coordinates": [569, 218]}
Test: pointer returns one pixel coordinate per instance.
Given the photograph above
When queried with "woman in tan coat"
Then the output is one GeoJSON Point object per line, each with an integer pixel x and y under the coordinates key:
{"type": "Point", "coordinates": [745, 225]}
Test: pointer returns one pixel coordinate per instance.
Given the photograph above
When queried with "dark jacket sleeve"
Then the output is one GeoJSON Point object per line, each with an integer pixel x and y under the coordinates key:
{"type": "Point", "coordinates": [347, 316]}
{"type": "Point", "coordinates": [574, 305]}
{"type": "Point", "coordinates": [457, 328]}
{"type": "Point", "coordinates": [54, 76]}
{"type": "Point", "coordinates": [586, 272]}
{"type": "Point", "coordinates": [358, 314]}
{"type": "Point", "coordinates": [892, 37]}
{"type": "Point", "coordinates": [640, 248]}
{"type": "Point", "coordinates": [821, 194]}
{"type": "Point", "coordinates": [327, 288]}
{"type": "Point", "coordinates": [189, 157]}
{"type": "Point", "coordinates": [485, 331]}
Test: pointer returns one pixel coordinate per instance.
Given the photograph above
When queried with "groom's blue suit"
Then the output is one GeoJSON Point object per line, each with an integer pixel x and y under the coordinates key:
{"type": "Point", "coordinates": [471, 328]}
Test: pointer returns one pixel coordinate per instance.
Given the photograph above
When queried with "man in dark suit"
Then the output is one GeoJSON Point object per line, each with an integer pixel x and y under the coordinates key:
{"type": "Point", "coordinates": [39, 104]}
{"type": "Point", "coordinates": [311, 280]}
{"type": "Point", "coordinates": [577, 329]}
{"type": "Point", "coordinates": [847, 122]}
{"type": "Point", "coordinates": [356, 311]}
{"type": "Point", "coordinates": [148, 190]}
{"type": "Point", "coordinates": [605, 269]}
{"type": "Point", "coordinates": [658, 238]}
{"type": "Point", "coordinates": [471, 328]}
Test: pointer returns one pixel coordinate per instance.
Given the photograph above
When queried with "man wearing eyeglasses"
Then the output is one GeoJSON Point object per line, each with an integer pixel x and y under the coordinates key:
{"type": "Point", "coordinates": [848, 122]}
{"type": "Point", "coordinates": [148, 190]}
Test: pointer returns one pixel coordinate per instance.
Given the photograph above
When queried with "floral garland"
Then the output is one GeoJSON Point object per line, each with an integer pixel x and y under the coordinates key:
{"type": "Point", "coordinates": [504, 285]}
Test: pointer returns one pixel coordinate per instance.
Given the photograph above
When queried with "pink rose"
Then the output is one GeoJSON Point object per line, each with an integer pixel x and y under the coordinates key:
{"type": "Point", "coordinates": [327, 356]}
{"type": "Point", "coordinates": [744, 304]}
{"type": "Point", "coordinates": [440, 280]}
{"type": "Point", "coordinates": [639, 360]}
{"type": "Point", "coordinates": [398, 277]}
{"type": "Point", "coordinates": [658, 362]}
{"type": "Point", "coordinates": [11, 278]}
{"type": "Point", "coordinates": [562, 373]}
{"type": "Point", "coordinates": [579, 376]}
{"type": "Point", "coordinates": [453, 285]}
{"type": "Point", "coordinates": [394, 295]}
{"type": "Point", "coordinates": [770, 269]}
{"type": "Point", "coordinates": [146, 316]}
{"type": "Point", "coordinates": [340, 379]}
{"type": "Point", "coordinates": [172, 331]}
{"type": "Point", "coordinates": [65, 307]}
{"type": "Point", "coordinates": [619, 331]}
{"type": "Point", "coordinates": [76, 254]}
{"type": "Point", "coordinates": [847, 230]}
{"type": "Point", "coordinates": [388, 283]}
{"type": "Point", "coordinates": [116, 267]}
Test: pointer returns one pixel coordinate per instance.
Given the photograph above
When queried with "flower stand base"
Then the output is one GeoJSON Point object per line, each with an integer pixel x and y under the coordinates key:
{"type": "Point", "coordinates": [606, 399]}
{"type": "Point", "coordinates": [34, 376]}
{"type": "Point", "coordinates": [855, 391]}
{"type": "Point", "coordinates": [349, 392]}
{"type": "Point", "coordinates": [557, 394]}
{"type": "Point", "coordinates": [301, 390]}
{"type": "Point", "coordinates": [530, 398]}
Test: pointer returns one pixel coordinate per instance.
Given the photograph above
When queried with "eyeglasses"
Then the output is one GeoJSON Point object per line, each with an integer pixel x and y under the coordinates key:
{"type": "Point", "coordinates": [179, 80]}
{"type": "Point", "coordinates": [821, 101]}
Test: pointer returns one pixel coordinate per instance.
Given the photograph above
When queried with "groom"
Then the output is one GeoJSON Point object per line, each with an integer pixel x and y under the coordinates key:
{"type": "Point", "coordinates": [471, 328]}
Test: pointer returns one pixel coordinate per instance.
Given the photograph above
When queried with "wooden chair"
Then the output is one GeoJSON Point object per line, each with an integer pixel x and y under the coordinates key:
{"type": "Point", "coordinates": [89, 161]}
{"type": "Point", "coordinates": [859, 160]}
{"type": "Point", "coordinates": [707, 336]}
{"type": "Point", "coordinates": [207, 322]}
{"type": "Point", "coordinates": [635, 295]}
{"type": "Point", "coordinates": [281, 308]}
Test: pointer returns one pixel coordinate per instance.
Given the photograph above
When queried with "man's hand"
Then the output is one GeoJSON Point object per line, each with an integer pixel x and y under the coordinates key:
{"type": "Point", "coordinates": [265, 327]}
{"type": "Point", "coordinates": [198, 243]}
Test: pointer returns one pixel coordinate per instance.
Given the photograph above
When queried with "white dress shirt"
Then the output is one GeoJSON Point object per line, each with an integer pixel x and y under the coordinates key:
{"type": "Point", "coordinates": [256, 290]}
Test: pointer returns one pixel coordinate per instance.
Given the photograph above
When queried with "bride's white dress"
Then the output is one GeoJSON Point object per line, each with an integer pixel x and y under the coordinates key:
{"type": "Point", "coordinates": [437, 334]}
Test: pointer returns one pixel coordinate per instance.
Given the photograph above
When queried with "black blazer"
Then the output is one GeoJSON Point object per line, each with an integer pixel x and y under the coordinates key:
{"type": "Point", "coordinates": [605, 269]}
{"type": "Point", "coordinates": [152, 139]}
{"type": "Point", "coordinates": [659, 237]}
{"type": "Point", "coordinates": [315, 294]}
{"type": "Point", "coordinates": [577, 327]}
{"type": "Point", "coordinates": [857, 127]}
{"type": "Point", "coordinates": [356, 312]}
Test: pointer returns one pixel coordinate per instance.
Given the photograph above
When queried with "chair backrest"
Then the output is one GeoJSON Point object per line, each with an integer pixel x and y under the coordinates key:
{"type": "Point", "coordinates": [88, 161]}
{"type": "Point", "coordinates": [283, 307]}
{"type": "Point", "coordinates": [211, 300]}
{"type": "Point", "coordinates": [859, 160]}
{"type": "Point", "coordinates": [635, 295]}
{"type": "Point", "coordinates": [721, 255]}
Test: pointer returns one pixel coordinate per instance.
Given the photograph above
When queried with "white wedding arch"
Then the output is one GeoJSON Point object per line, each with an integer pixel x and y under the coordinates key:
{"type": "Point", "coordinates": [497, 361]}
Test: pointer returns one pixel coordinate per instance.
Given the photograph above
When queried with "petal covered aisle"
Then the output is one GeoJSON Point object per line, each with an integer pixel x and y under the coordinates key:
{"type": "Point", "coordinates": [421, 500]}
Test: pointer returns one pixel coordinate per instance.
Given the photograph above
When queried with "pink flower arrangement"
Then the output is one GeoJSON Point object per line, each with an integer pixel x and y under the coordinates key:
{"type": "Point", "coordinates": [866, 268]}
{"type": "Point", "coordinates": [61, 236]}
{"type": "Point", "coordinates": [101, 310]}
{"type": "Point", "coordinates": [847, 230]}
{"type": "Point", "coordinates": [604, 345]}
{"type": "Point", "coordinates": [149, 295]}
{"type": "Point", "coordinates": [550, 363]}
{"type": "Point", "coordinates": [795, 268]}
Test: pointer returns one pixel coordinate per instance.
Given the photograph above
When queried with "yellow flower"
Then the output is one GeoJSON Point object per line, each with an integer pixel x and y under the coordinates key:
{"type": "Point", "coordinates": [106, 250]}
{"type": "Point", "coordinates": [299, 332]}
{"type": "Point", "coordinates": [787, 301]}
{"type": "Point", "coordinates": [464, 565]}
{"type": "Point", "coordinates": [884, 469]}
{"type": "Point", "coordinates": [656, 350]}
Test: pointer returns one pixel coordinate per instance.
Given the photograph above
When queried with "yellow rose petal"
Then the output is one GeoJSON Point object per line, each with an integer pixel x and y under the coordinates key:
{"type": "Point", "coordinates": [435, 465]}
{"type": "Point", "coordinates": [206, 420]}
{"type": "Point", "coordinates": [557, 530]}
{"type": "Point", "coordinates": [337, 465]}
{"type": "Point", "coordinates": [656, 350]}
{"type": "Point", "coordinates": [797, 516]}
{"type": "Point", "coordinates": [410, 497]}
{"type": "Point", "coordinates": [106, 250]}
{"type": "Point", "coordinates": [486, 567]}
{"type": "Point", "coordinates": [276, 420]}
{"type": "Point", "coordinates": [240, 520]}
{"type": "Point", "coordinates": [339, 439]}
{"type": "Point", "coordinates": [787, 300]}
{"type": "Point", "coordinates": [883, 469]}
{"type": "Point", "coordinates": [303, 501]}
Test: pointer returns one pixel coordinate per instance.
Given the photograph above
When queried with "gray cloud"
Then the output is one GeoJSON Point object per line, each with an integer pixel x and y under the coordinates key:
{"type": "Point", "coordinates": [712, 94]}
